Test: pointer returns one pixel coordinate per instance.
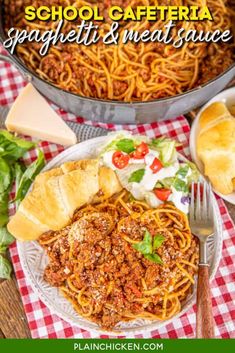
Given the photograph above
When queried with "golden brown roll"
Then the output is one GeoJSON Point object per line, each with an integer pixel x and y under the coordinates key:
{"type": "Point", "coordinates": [57, 193]}
{"type": "Point", "coordinates": [216, 146]}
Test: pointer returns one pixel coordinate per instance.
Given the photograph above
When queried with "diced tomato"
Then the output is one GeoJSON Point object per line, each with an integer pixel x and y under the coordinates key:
{"type": "Point", "coordinates": [120, 160]}
{"type": "Point", "coordinates": [156, 165]}
{"type": "Point", "coordinates": [140, 151]}
{"type": "Point", "coordinates": [162, 194]}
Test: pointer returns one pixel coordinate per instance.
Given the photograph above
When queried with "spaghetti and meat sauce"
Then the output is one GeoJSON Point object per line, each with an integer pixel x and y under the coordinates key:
{"type": "Point", "coordinates": [127, 72]}
{"type": "Point", "coordinates": [121, 260]}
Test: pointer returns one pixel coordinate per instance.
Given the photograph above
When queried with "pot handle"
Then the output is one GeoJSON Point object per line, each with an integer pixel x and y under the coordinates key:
{"type": "Point", "coordinates": [10, 60]}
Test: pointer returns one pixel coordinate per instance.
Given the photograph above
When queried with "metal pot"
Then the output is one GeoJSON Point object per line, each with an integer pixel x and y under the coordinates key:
{"type": "Point", "coordinates": [120, 112]}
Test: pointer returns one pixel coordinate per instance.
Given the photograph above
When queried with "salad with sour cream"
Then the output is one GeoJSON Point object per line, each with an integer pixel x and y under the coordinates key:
{"type": "Point", "coordinates": [151, 169]}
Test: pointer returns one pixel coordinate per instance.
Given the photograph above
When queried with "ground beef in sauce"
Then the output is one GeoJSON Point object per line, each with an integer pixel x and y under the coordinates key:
{"type": "Point", "coordinates": [108, 267]}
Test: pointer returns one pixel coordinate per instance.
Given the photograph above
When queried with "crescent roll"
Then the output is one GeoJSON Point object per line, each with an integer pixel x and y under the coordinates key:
{"type": "Point", "coordinates": [57, 193]}
{"type": "Point", "coordinates": [108, 180]}
{"type": "Point", "coordinates": [216, 146]}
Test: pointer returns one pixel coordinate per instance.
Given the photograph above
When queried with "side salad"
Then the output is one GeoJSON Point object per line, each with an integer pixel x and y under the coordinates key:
{"type": "Point", "coordinates": [151, 169]}
{"type": "Point", "coordinates": [13, 171]}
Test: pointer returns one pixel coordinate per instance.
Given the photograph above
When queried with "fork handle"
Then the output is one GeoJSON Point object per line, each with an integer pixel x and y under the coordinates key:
{"type": "Point", "coordinates": [205, 322]}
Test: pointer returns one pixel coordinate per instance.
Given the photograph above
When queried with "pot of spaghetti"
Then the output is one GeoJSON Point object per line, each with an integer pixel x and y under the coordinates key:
{"type": "Point", "coordinates": [125, 83]}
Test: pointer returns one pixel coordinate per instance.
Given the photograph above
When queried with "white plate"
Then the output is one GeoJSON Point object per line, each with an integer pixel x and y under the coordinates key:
{"type": "Point", "coordinates": [227, 97]}
{"type": "Point", "coordinates": [34, 260]}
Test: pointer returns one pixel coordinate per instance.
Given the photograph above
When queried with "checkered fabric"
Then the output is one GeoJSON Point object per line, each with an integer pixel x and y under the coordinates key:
{"type": "Point", "coordinates": [43, 324]}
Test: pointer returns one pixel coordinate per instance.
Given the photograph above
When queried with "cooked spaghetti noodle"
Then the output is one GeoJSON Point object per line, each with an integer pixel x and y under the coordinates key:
{"type": "Point", "coordinates": [96, 266]}
{"type": "Point", "coordinates": [127, 72]}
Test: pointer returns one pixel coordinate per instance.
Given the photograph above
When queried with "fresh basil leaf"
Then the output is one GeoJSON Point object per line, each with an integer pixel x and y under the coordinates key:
{"type": "Point", "coordinates": [29, 175]}
{"type": "Point", "coordinates": [145, 246]}
{"type": "Point", "coordinates": [157, 241]}
{"type": "Point", "coordinates": [16, 167]}
{"type": "Point", "coordinates": [136, 176]}
{"type": "Point", "coordinates": [180, 185]}
{"type": "Point", "coordinates": [154, 258]}
{"type": "Point", "coordinates": [19, 170]}
{"type": "Point", "coordinates": [6, 238]}
{"type": "Point", "coordinates": [12, 147]}
{"type": "Point", "coordinates": [5, 176]}
{"type": "Point", "coordinates": [4, 198]}
{"type": "Point", "coordinates": [3, 249]}
{"type": "Point", "coordinates": [183, 171]}
{"type": "Point", "coordinates": [5, 268]}
{"type": "Point", "coordinates": [125, 145]}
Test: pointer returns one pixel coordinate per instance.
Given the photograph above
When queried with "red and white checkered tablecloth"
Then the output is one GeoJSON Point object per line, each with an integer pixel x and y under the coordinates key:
{"type": "Point", "coordinates": [43, 324]}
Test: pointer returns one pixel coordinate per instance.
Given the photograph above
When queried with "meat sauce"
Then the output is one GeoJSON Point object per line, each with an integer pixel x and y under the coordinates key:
{"type": "Point", "coordinates": [94, 255]}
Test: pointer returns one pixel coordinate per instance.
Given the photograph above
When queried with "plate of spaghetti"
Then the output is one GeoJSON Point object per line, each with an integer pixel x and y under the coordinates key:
{"type": "Point", "coordinates": [132, 72]}
{"type": "Point", "coordinates": [122, 264]}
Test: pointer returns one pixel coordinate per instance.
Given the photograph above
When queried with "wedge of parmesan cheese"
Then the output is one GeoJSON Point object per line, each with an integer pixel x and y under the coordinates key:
{"type": "Point", "coordinates": [31, 115]}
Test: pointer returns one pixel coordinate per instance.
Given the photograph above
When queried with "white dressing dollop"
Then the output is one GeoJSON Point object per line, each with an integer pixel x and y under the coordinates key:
{"type": "Point", "coordinates": [150, 156]}
{"type": "Point", "coordinates": [108, 160]}
{"type": "Point", "coordinates": [137, 191]}
{"type": "Point", "coordinates": [136, 161]}
{"type": "Point", "coordinates": [150, 179]}
{"type": "Point", "coordinates": [176, 198]}
{"type": "Point", "coordinates": [152, 200]}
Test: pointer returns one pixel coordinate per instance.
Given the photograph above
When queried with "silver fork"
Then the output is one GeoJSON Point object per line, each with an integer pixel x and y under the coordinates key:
{"type": "Point", "coordinates": [202, 226]}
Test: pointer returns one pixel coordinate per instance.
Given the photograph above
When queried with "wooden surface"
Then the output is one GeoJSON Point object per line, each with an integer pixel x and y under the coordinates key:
{"type": "Point", "coordinates": [205, 321]}
{"type": "Point", "coordinates": [13, 323]}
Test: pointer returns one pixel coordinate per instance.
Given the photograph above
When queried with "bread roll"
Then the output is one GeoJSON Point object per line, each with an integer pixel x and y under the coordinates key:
{"type": "Point", "coordinates": [233, 183]}
{"type": "Point", "coordinates": [216, 146]}
{"type": "Point", "coordinates": [57, 193]}
{"type": "Point", "coordinates": [78, 188]}
{"type": "Point", "coordinates": [108, 180]}
{"type": "Point", "coordinates": [23, 228]}
{"type": "Point", "coordinates": [108, 184]}
{"type": "Point", "coordinates": [84, 164]}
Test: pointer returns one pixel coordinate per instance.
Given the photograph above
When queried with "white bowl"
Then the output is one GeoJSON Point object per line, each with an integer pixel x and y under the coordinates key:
{"type": "Point", "coordinates": [228, 98]}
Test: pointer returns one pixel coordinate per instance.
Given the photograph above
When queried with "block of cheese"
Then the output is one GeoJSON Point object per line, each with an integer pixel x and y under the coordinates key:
{"type": "Point", "coordinates": [31, 115]}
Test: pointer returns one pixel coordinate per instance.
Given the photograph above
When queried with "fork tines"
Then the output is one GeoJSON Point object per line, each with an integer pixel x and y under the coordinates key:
{"type": "Point", "coordinates": [201, 204]}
